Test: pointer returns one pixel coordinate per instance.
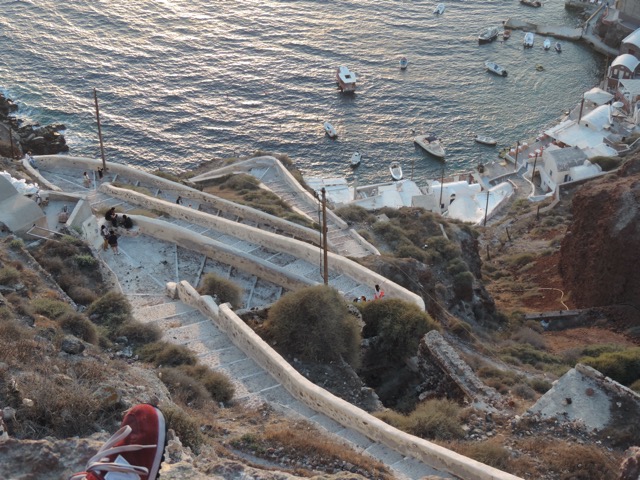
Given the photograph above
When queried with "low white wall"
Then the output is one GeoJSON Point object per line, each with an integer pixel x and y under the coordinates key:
{"type": "Point", "coordinates": [219, 251]}
{"type": "Point", "coordinates": [36, 174]}
{"type": "Point", "coordinates": [269, 240]}
{"type": "Point", "coordinates": [132, 173]}
{"type": "Point", "coordinates": [324, 402]}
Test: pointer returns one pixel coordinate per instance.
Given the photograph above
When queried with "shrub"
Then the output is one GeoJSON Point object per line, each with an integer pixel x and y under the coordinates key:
{"type": "Point", "coordinates": [528, 354]}
{"type": "Point", "coordinates": [457, 265]}
{"type": "Point", "coordinates": [225, 290]}
{"type": "Point", "coordinates": [183, 388]}
{"type": "Point", "coordinates": [8, 275]}
{"type": "Point", "coordinates": [540, 385]}
{"type": "Point", "coordinates": [167, 354]}
{"type": "Point", "coordinates": [111, 310]}
{"type": "Point", "coordinates": [355, 214]}
{"type": "Point", "coordinates": [80, 326]}
{"type": "Point", "coordinates": [139, 333]}
{"type": "Point", "coordinates": [623, 366]}
{"type": "Point", "coordinates": [606, 163]}
{"type": "Point", "coordinates": [520, 260]}
{"type": "Point", "coordinates": [463, 286]}
{"type": "Point", "coordinates": [16, 244]}
{"type": "Point", "coordinates": [635, 386]}
{"type": "Point", "coordinates": [411, 251]}
{"type": "Point", "coordinates": [489, 452]}
{"type": "Point", "coordinates": [85, 261]}
{"type": "Point", "coordinates": [82, 295]}
{"type": "Point", "coordinates": [524, 391]}
{"type": "Point", "coordinates": [50, 308]}
{"type": "Point", "coordinates": [445, 247]}
{"type": "Point", "coordinates": [529, 336]}
{"type": "Point", "coordinates": [217, 384]}
{"type": "Point", "coordinates": [186, 428]}
{"type": "Point", "coordinates": [399, 326]}
{"type": "Point", "coordinates": [314, 324]}
{"type": "Point", "coordinates": [434, 419]}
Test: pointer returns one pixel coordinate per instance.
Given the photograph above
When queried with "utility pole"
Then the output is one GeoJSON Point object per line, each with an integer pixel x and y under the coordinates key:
{"type": "Point", "coordinates": [441, 187]}
{"type": "Point", "coordinates": [581, 107]}
{"type": "Point", "coordinates": [413, 161]}
{"type": "Point", "coordinates": [324, 236]}
{"type": "Point", "coordinates": [104, 163]}
{"type": "Point", "coordinates": [515, 163]}
{"type": "Point", "coordinates": [533, 172]}
{"type": "Point", "coordinates": [486, 209]}
{"type": "Point", "coordinates": [13, 156]}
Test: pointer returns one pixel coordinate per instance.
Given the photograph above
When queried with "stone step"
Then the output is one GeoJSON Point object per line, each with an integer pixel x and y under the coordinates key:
{"type": "Point", "coordinates": [160, 311]}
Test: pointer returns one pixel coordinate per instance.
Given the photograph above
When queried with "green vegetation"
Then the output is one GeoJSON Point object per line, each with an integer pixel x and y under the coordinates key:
{"type": "Point", "coordinates": [225, 290]}
{"type": "Point", "coordinates": [623, 365]}
{"type": "Point", "coordinates": [167, 354]}
{"type": "Point", "coordinates": [80, 326]}
{"type": "Point", "coordinates": [50, 308]}
{"type": "Point", "coordinates": [606, 163]}
{"type": "Point", "coordinates": [314, 324]}
{"type": "Point", "coordinates": [196, 384]}
{"type": "Point", "coordinates": [397, 326]}
{"type": "Point", "coordinates": [186, 427]}
{"type": "Point", "coordinates": [434, 419]}
{"type": "Point", "coordinates": [8, 276]}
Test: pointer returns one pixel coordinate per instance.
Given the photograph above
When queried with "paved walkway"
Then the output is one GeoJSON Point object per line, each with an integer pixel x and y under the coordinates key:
{"type": "Point", "coordinates": [146, 264]}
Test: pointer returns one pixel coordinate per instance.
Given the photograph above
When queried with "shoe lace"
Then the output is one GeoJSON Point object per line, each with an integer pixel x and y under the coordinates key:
{"type": "Point", "coordinates": [96, 463]}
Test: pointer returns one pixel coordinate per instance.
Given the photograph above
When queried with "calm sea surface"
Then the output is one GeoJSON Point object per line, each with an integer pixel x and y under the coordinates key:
{"type": "Point", "coordinates": [181, 81]}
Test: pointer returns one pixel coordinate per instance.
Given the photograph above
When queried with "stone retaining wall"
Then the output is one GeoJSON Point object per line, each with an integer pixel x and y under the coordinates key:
{"type": "Point", "coordinates": [269, 240]}
{"type": "Point", "coordinates": [324, 402]}
{"type": "Point", "coordinates": [135, 174]}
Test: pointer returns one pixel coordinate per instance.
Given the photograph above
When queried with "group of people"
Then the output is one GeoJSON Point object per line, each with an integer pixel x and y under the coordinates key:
{"type": "Point", "coordinates": [109, 235]}
{"type": "Point", "coordinates": [110, 239]}
{"type": "Point", "coordinates": [377, 295]}
{"type": "Point", "coordinates": [112, 217]}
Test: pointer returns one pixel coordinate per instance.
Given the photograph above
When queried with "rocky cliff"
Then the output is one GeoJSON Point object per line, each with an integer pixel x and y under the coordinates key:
{"type": "Point", "coordinates": [600, 252]}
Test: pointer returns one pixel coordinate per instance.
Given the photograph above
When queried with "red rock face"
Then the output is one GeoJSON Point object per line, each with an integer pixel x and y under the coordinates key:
{"type": "Point", "coordinates": [600, 255]}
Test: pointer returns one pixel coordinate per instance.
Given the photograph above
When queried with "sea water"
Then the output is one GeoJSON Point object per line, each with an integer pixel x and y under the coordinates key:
{"type": "Point", "coordinates": [180, 82]}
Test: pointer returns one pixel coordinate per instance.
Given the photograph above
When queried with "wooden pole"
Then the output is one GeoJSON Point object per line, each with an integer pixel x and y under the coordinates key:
{"type": "Point", "coordinates": [104, 163]}
{"type": "Point", "coordinates": [441, 187]}
{"type": "Point", "coordinates": [13, 156]}
{"type": "Point", "coordinates": [486, 209]}
{"type": "Point", "coordinates": [581, 107]}
{"type": "Point", "coordinates": [515, 163]}
{"type": "Point", "coordinates": [324, 236]}
{"type": "Point", "coordinates": [412, 165]}
{"type": "Point", "coordinates": [508, 236]}
{"type": "Point", "coordinates": [535, 160]}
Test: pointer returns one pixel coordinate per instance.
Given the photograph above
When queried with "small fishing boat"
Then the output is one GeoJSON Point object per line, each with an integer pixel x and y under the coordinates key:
{"type": "Point", "coordinates": [439, 10]}
{"type": "Point", "coordinates": [547, 44]}
{"type": "Point", "coordinates": [404, 63]}
{"type": "Point", "coordinates": [330, 130]}
{"type": "Point", "coordinates": [489, 35]}
{"type": "Point", "coordinates": [558, 47]}
{"type": "Point", "coordinates": [531, 3]}
{"type": "Point", "coordinates": [528, 40]}
{"type": "Point", "coordinates": [485, 140]}
{"type": "Point", "coordinates": [355, 159]}
{"type": "Point", "coordinates": [506, 34]}
{"type": "Point", "coordinates": [396, 171]}
{"type": "Point", "coordinates": [495, 68]}
{"type": "Point", "coordinates": [346, 79]}
{"type": "Point", "coordinates": [539, 67]}
{"type": "Point", "coordinates": [431, 144]}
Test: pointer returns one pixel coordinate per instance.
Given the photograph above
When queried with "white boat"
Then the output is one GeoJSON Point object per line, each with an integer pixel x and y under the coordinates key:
{"type": "Point", "coordinates": [439, 10]}
{"type": "Point", "coordinates": [396, 171]}
{"type": "Point", "coordinates": [528, 40]}
{"type": "Point", "coordinates": [495, 68]}
{"type": "Point", "coordinates": [489, 35]}
{"type": "Point", "coordinates": [431, 144]}
{"type": "Point", "coordinates": [485, 140]}
{"type": "Point", "coordinates": [547, 44]}
{"type": "Point", "coordinates": [404, 63]}
{"type": "Point", "coordinates": [331, 131]}
{"type": "Point", "coordinates": [558, 47]}
{"type": "Point", "coordinates": [355, 159]}
{"type": "Point", "coordinates": [346, 79]}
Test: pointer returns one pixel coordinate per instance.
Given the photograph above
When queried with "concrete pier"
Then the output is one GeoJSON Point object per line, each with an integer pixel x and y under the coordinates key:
{"type": "Point", "coordinates": [556, 31]}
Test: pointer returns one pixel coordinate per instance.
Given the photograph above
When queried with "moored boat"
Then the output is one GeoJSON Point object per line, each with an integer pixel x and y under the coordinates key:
{"type": "Point", "coordinates": [439, 10]}
{"type": "Point", "coordinates": [495, 68]}
{"type": "Point", "coordinates": [547, 44]}
{"type": "Point", "coordinates": [531, 3]}
{"type": "Point", "coordinates": [485, 140]}
{"type": "Point", "coordinates": [330, 130]}
{"type": "Point", "coordinates": [396, 171]}
{"type": "Point", "coordinates": [489, 35]}
{"type": "Point", "coordinates": [431, 144]}
{"type": "Point", "coordinates": [528, 40]}
{"type": "Point", "coordinates": [558, 47]}
{"type": "Point", "coordinates": [404, 63]}
{"type": "Point", "coordinates": [345, 79]}
{"type": "Point", "coordinates": [356, 158]}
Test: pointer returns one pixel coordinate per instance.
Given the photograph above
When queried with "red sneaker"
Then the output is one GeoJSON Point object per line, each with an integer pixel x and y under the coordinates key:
{"type": "Point", "coordinates": [134, 452]}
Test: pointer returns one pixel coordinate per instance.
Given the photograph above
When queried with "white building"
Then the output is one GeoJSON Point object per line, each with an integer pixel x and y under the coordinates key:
{"type": "Point", "coordinates": [557, 164]}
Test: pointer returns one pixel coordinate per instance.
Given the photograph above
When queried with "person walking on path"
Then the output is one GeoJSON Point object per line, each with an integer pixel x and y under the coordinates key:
{"type": "Point", "coordinates": [113, 242]}
{"type": "Point", "coordinates": [379, 293]}
{"type": "Point", "coordinates": [104, 232]}
{"type": "Point", "coordinates": [86, 180]}
{"type": "Point", "coordinates": [179, 200]}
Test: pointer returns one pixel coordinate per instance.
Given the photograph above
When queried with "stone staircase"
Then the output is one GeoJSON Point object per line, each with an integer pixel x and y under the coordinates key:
{"type": "Point", "coordinates": [186, 326]}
